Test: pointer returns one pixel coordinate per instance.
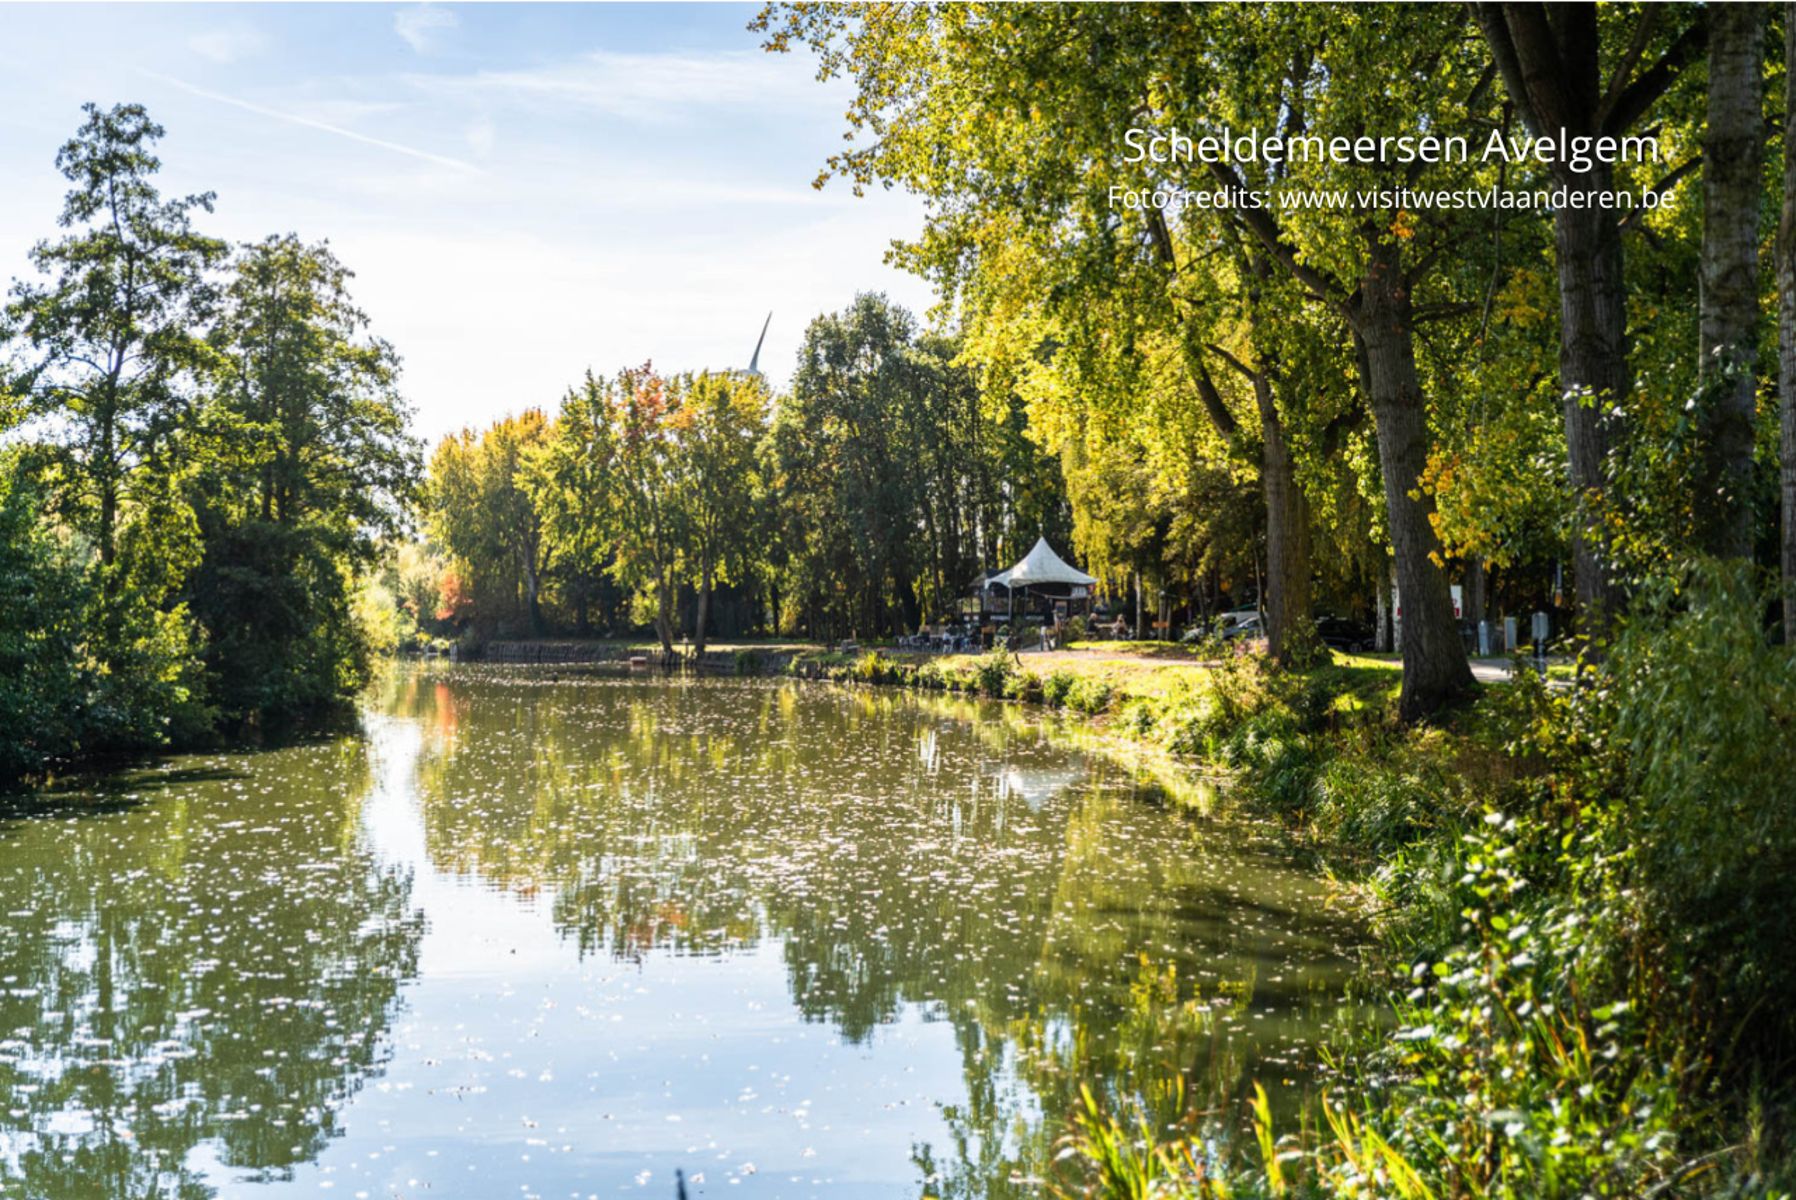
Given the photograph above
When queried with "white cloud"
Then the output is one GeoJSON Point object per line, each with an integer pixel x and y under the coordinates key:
{"type": "Point", "coordinates": [648, 87]}
{"type": "Point", "coordinates": [420, 26]}
{"type": "Point", "coordinates": [227, 45]}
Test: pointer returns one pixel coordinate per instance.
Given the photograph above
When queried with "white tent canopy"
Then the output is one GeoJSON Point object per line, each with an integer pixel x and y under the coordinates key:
{"type": "Point", "coordinates": [1041, 566]}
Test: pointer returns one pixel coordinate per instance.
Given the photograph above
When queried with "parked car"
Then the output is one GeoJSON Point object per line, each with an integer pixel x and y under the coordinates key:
{"type": "Point", "coordinates": [1249, 626]}
{"type": "Point", "coordinates": [1242, 622]}
{"type": "Point", "coordinates": [1347, 636]}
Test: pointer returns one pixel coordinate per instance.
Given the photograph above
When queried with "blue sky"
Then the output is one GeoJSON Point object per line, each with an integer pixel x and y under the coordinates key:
{"type": "Point", "coordinates": [522, 190]}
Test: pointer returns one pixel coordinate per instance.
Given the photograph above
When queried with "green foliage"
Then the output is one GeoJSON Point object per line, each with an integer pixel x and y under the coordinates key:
{"type": "Point", "coordinates": [993, 672]}
{"type": "Point", "coordinates": [311, 466]}
{"type": "Point", "coordinates": [43, 597]}
{"type": "Point", "coordinates": [480, 510]}
{"type": "Point", "coordinates": [215, 463]}
{"type": "Point", "coordinates": [646, 483]}
{"type": "Point", "coordinates": [896, 474]}
{"type": "Point", "coordinates": [1702, 709]}
{"type": "Point", "coordinates": [1089, 695]}
{"type": "Point", "coordinates": [110, 334]}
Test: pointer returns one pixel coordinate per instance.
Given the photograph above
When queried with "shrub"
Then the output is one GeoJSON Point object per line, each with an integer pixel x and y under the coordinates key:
{"type": "Point", "coordinates": [1055, 687]}
{"type": "Point", "coordinates": [992, 674]}
{"type": "Point", "coordinates": [42, 600]}
{"type": "Point", "coordinates": [1138, 716]}
{"type": "Point", "coordinates": [1703, 710]}
{"type": "Point", "coordinates": [1025, 686]}
{"type": "Point", "coordinates": [1089, 695]}
{"type": "Point", "coordinates": [876, 666]}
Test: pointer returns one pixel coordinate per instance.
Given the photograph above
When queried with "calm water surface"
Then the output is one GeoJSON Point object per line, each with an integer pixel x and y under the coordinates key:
{"type": "Point", "coordinates": [557, 939]}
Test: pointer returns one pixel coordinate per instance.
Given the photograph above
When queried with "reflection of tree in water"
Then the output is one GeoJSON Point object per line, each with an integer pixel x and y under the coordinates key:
{"type": "Point", "coordinates": [902, 855]}
{"type": "Point", "coordinates": [216, 967]}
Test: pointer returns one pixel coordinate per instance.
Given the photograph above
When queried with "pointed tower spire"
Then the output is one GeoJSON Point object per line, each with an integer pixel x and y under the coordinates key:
{"type": "Point", "coordinates": [754, 360]}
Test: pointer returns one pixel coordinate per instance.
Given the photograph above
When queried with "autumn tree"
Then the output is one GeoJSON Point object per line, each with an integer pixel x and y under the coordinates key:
{"type": "Point", "coordinates": [479, 510]}
{"type": "Point", "coordinates": [647, 532]}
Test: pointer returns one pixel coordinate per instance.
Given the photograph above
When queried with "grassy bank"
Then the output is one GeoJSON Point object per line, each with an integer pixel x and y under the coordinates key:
{"type": "Point", "coordinates": [1582, 910]}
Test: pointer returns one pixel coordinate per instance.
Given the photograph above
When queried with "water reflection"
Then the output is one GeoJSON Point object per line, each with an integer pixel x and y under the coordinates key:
{"type": "Point", "coordinates": [197, 972]}
{"type": "Point", "coordinates": [900, 859]}
{"type": "Point", "coordinates": [550, 938]}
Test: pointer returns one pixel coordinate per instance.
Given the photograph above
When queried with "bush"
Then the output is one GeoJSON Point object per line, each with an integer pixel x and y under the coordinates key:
{"type": "Point", "coordinates": [42, 599]}
{"type": "Point", "coordinates": [1089, 695]}
{"type": "Point", "coordinates": [874, 667]}
{"type": "Point", "coordinates": [1055, 687]}
{"type": "Point", "coordinates": [992, 674]}
{"type": "Point", "coordinates": [1025, 686]}
{"type": "Point", "coordinates": [1703, 712]}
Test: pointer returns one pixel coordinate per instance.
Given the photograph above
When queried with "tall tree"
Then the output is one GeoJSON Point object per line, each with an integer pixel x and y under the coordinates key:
{"type": "Point", "coordinates": [108, 347]}
{"type": "Point", "coordinates": [1368, 262]}
{"type": "Point", "coordinates": [716, 432]}
{"type": "Point", "coordinates": [1786, 333]}
{"type": "Point", "coordinates": [480, 510]}
{"type": "Point", "coordinates": [1551, 60]}
{"type": "Point", "coordinates": [846, 448]}
{"type": "Point", "coordinates": [312, 467]}
{"type": "Point", "coordinates": [114, 333]}
{"type": "Point", "coordinates": [567, 482]}
{"type": "Point", "coordinates": [1733, 158]}
{"type": "Point", "coordinates": [647, 533]}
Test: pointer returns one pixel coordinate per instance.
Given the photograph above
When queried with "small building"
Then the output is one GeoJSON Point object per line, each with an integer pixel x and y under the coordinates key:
{"type": "Point", "coordinates": [1040, 587]}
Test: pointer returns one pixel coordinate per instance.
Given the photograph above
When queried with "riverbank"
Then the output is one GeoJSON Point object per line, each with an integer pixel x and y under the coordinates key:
{"type": "Point", "coordinates": [1578, 907]}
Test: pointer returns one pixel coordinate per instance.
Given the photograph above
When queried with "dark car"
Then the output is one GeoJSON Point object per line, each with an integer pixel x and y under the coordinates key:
{"type": "Point", "coordinates": [1339, 633]}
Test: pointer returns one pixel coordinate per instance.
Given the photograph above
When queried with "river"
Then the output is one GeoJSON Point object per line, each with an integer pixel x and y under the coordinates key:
{"type": "Point", "coordinates": [538, 937]}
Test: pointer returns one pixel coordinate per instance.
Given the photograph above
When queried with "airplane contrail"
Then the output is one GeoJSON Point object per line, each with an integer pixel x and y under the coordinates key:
{"type": "Point", "coordinates": [309, 123]}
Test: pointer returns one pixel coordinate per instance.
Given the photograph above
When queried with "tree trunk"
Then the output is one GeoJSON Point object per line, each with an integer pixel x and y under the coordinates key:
{"type": "Point", "coordinates": [532, 599]}
{"type": "Point", "coordinates": [1381, 637]}
{"type": "Point", "coordinates": [1435, 670]}
{"type": "Point", "coordinates": [108, 486]}
{"type": "Point", "coordinates": [1290, 632]}
{"type": "Point", "coordinates": [1593, 377]}
{"type": "Point", "coordinates": [703, 611]}
{"type": "Point", "coordinates": [1786, 329]}
{"type": "Point", "coordinates": [664, 613]}
{"type": "Point", "coordinates": [1732, 163]}
{"type": "Point", "coordinates": [1477, 584]}
{"type": "Point", "coordinates": [1550, 60]}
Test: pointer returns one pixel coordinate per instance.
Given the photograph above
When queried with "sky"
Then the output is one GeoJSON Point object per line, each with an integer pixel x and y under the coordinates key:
{"type": "Point", "coordinates": [523, 191]}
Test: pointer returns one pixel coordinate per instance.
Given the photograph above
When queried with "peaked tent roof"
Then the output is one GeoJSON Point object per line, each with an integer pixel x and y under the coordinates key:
{"type": "Point", "coordinates": [1041, 565]}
